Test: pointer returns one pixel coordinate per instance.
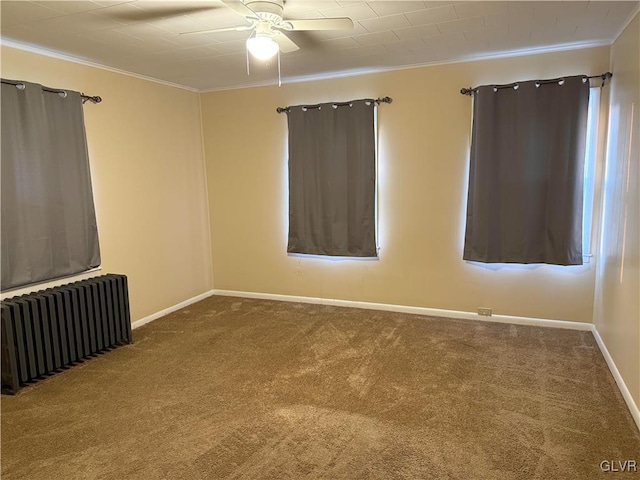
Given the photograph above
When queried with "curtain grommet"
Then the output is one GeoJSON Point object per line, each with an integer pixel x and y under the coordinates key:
{"type": "Point", "coordinates": [62, 94]}
{"type": "Point", "coordinates": [537, 84]}
{"type": "Point", "coordinates": [21, 86]}
{"type": "Point", "coordinates": [561, 82]}
{"type": "Point", "coordinates": [495, 89]}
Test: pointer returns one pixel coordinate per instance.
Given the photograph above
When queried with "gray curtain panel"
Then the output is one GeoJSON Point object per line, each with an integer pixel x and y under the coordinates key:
{"type": "Point", "coordinates": [48, 218]}
{"type": "Point", "coordinates": [526, 174]}
{"type": "Point", "coordinates": [332, 180]}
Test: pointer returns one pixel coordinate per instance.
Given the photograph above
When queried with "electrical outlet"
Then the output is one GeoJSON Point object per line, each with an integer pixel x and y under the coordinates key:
{"type": "Point", "coordinates": [484, 311]}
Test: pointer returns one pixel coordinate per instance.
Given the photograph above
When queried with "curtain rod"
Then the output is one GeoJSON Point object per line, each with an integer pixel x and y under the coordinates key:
{"type": "Point", "coordinates": [605, 77]}
{"type": "Point", "coordinates": [85, 98]}
{"type": "Point", "coordinates": [377, 101]}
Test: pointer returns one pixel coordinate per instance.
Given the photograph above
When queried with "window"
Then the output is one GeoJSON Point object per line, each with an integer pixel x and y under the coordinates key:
{"type": "Point", "coordinates": [48, 218]}
{"type": "Point", "coordinates": [526, 178]}
{"type": "Point", "coordinates": [589, 171]}
{"type": "Point", "coordinates": [332, 179]}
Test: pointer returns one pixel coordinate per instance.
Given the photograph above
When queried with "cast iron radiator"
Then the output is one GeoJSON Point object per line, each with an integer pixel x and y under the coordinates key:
{"type": "Point", "coordinates": [52, 329]}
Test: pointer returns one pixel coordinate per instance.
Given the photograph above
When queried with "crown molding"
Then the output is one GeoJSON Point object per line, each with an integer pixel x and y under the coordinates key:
{"type": "Point", "coordinates": [632, 15]}
{"type": "Point", "coordinates": [27, 47]}
{"type": "Point", "coordinates": [323, 76]}
{"type": "Point", "coordinates": [465, 59]}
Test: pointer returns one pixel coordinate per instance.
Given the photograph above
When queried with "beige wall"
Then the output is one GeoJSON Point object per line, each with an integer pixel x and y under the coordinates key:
{"type": "Point", "coordinates": [145, 148]}
{"type": "Point", "coordinates": [617, 302]}
{"type": "Point", "coordinates": [423, 162]}
{"type": "Point", "coordinates": [147, 165]}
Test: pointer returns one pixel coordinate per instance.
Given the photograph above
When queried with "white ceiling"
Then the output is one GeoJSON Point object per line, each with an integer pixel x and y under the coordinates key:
{"type": "Point", "coordinates": [142, 36]}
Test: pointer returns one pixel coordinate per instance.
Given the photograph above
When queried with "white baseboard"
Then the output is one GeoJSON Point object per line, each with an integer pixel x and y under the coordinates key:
{"type": "Point", "coordinates": [433, 312]}
{"type": "Point", "coordinates": [626, 394]}
{"type": "Point", "coordinates": [167, 311]}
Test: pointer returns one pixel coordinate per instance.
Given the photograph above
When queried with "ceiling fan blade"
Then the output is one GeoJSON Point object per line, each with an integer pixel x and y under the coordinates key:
{"type": "Point", "coordinates": [157, 14]}
{"type": "Point", "coordinates": [240, 8]}
{"type": "Point", "coordinates": [318, 24]}
{"type": "Point", "coordinates": [285, 43]}
{"type": "Point", "coordinates": [239, 28]}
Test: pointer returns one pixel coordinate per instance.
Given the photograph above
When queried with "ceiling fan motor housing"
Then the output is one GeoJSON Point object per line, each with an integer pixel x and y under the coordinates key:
{"type": "Point", "coordinates": [269, 10]}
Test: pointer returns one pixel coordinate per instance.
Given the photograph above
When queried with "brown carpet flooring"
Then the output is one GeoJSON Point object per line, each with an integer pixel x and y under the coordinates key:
{"type": "Point", "coordinates": [235, 388]}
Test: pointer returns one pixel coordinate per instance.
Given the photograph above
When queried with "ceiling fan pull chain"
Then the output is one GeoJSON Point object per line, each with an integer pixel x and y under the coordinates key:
{"type": "Point", "coordinates": [279, 77]}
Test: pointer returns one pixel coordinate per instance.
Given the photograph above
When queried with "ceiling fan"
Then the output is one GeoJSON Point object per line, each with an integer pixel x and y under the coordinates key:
{"type": "Point", "coordinates": [268, 26]}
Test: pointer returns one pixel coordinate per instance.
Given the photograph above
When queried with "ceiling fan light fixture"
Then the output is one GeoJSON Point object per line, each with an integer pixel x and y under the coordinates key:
{"type": "Point", "coordinates": [262, 46]}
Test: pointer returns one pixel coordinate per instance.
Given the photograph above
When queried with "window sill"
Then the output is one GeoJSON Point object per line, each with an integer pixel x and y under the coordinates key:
{"type": "Point", "coordinates": [34, 287]}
